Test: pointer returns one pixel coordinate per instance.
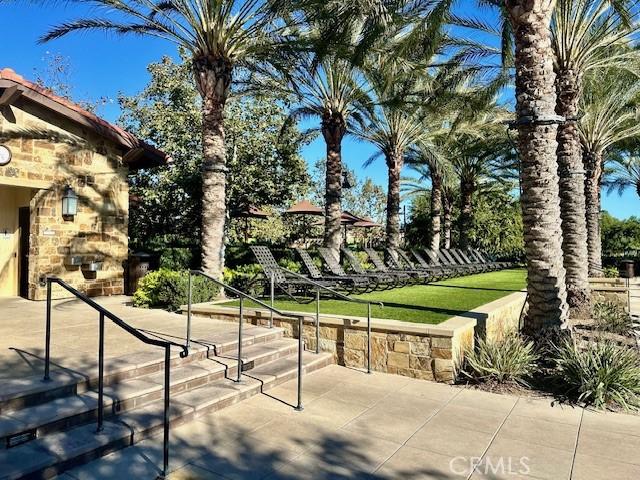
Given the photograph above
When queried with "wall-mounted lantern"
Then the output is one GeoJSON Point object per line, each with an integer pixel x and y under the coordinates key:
{"type": "Point", "coordinates": [69, 202]}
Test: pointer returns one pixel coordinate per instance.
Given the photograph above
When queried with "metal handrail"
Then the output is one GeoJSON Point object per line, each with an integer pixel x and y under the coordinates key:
{"type": "Point", "coordinates": [166, 344]}
{"type": "Point", "coordinates": [341, 296]}
{"type": "Point", "coordinates": [242, 295]}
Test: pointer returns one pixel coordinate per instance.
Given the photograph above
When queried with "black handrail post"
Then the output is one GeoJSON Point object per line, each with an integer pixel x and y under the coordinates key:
{"type": "Point", "coordinates": [368, 338]}
{"type": "Point", "coordinates": [299, 407]}
{"type": "Point", "coordinates": [101, 375]}
{"type": "Point", "coordinates": [47, 344]}
{"type": "Point", "coordinates": [272, 294]}
{"type": "Point", "coordinates": [167, 391]}
{"type": "Point", "coordinates": [189, 300]}
{"type": "Point", "coordinates": [318, 320]}
{"type": "Point", "coordinates": [240, 322]}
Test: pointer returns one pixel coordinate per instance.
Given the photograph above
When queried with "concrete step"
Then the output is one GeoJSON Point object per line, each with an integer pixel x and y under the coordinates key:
{"type": "Point", "coordinates": [20, 393]}
{"type": "Point", "coordinates": [53, 454]}
{"type": "Point", "coordinates": [33, 422]}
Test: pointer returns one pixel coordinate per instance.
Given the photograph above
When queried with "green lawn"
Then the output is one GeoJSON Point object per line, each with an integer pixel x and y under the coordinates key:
{"type": "Point", "coordinates": [432, 303]}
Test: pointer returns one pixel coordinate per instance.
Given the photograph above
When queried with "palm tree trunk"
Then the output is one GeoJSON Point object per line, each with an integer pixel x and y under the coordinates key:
{"type": "Point", "coordinates": [213, 77]}
{"type": "Point", "coordinates": [593, 167]}
{"type": "Point", "coordinates": [446, 220]}
{"type": "Point", "coordinates": [333, 131]}
{"type": "Point", "coordinates": [436, 210]}
{"type": "Point", "coordinates": [572, 197]}
{"type": "Point", "coordinates": [535, 100]}
{"type": "Point", "coordinates": [394, 165]}
{"type": "Point", "coordinates": [466, 212]}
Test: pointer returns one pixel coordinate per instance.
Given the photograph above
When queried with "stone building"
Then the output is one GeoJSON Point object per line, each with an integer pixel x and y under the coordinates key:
{"type": "Point", "coordinates": [64, 201]}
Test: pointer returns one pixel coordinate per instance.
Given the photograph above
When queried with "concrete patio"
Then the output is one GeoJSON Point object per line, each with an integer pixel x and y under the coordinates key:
{"type": "Point", "coordinates": [385, 426]}
{"type": "Point", "coordinates": [354, 425]}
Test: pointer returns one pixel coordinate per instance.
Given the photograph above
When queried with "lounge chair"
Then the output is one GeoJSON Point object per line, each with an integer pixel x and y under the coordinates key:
{"type": "Point", "coordinates": [289, 285]}
{"type": "Point", "coordinates": [436, 260]}
{"type": "Point", "coordinates": [374, 281]}
{"type": "Point", "coordinates": [457, 259]}
{"type": "Point", "coordinates": [438, 272]}
{"type": "Point", "coordinates": [380, 266]}
{"type": "Point", "coordinates": [483, 257]}
{"type": "Point", "coordinates": [449, 262]}
{"type": "Point", "coordinates": [349, 284]}
{"type": "Point", "coordinates": [388, 278]}
{"type": "Point", "coordinates": [463, 257]}
{"type": "Point", "coordinates": [398, 263]}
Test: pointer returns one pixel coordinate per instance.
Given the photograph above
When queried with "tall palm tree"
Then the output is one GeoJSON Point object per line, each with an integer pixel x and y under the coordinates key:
{"type": "Point", "coordinates": [333, 90]}
{"type": "Point", "coordinates": [609, 106]}
{"type": "Point", "coordinates": [585, 36]}
{"type": "Point", "coordinates": [530, 22]}
{"type": "Point", "coordinates": [393, 127]}
{"type": "Point", "coordinates": [624, 174]}
{"type": "Point", "coordinates": [220, 35]}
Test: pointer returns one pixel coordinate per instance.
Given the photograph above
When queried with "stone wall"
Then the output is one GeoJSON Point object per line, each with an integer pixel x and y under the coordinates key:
{"type": "Point", "coordinates": [431, 352]}
{"type": "Point", "coordinates": [98, 176]}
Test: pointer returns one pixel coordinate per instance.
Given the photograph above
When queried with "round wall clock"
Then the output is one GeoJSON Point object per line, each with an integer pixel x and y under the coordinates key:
{"type": "Point", "coordinates": [5, 155]}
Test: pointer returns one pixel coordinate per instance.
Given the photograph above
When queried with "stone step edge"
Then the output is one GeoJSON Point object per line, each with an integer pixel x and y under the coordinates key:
{"type": "Point", "coordinates": [65, 382]}
{"type": "Point", "coordinates": [118, 405]}
{"type": "Point", "coordinates": [122, 438]}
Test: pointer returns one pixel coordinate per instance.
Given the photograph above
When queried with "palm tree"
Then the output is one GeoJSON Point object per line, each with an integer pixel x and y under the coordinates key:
{"type": "Point", "coordinates": [334, 90]}
{"type": "Point", "coordinates": [585, 36]}
{"type": "Point", "coordinates": [536, 121]}
{"type": "Point", "coordinates": [219, 36]}
{"type": "Point", "coordinates": [609, 104]}
{"type": "Point", "coordinates": [624, 174]}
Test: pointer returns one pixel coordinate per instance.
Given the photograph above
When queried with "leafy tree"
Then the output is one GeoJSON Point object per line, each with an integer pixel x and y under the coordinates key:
{"type": "Point", "coordinates": [619, 237]}
{"type": "Point", "coordinates": [265, 167]}
{"type": "Point", "coordinates": [624, 174]}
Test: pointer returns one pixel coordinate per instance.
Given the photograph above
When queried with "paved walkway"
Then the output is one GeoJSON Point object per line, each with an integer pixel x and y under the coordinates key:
{"type": "Point", "coordinates": [74, 334]}
{"type": "Point", "coordinates": [387, 427]}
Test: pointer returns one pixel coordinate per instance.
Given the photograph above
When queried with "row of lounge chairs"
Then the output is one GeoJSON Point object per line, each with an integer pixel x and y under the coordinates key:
{"type": "Point", "coordinates": [400, 269]}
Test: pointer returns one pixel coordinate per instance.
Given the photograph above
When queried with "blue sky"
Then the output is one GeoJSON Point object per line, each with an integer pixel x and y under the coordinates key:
{"type": "Point", "coordinates": [103, 66]}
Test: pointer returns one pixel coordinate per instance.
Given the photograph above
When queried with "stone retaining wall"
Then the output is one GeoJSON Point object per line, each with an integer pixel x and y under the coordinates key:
{"type": "Point", "coordinates": [431, 352]}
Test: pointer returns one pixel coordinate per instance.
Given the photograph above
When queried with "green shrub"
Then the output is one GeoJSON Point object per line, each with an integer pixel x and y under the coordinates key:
{"type": "Point", "coordinates": [510, 359]}
{"type": "Point", "coordinates": [241, 276]}
{"type": "Point", "coordinates": [599, 374]}
{"type": "Point", "coordinates": [611, 272]}
{"type": "Point", "coordinates": [176, 258]}
{"type": "Point", "coordinates": [290, 265]}
{"type": "Point", "coordinates": [611, 317]}
{"type": "Point", "coordinates": [168, 289]}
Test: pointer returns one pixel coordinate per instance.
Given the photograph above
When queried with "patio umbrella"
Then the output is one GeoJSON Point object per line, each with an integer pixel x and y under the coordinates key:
{"type": "Point", "coordinates": [248, 212]}
{"type": "Point", "coordinates": [304, 208]}
{"type": "Point", "coordinates": [365, 222]}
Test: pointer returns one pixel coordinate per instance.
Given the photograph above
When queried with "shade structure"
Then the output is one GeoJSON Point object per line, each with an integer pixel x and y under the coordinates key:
{"type": "Point", "coordinates": [250, 212]}
{"type": "Point", "coordinates": [348, 218]}
{"type": "Point", "coordinates": [305, 207]}
{"type": "Point", "coordinates": [366, 222]}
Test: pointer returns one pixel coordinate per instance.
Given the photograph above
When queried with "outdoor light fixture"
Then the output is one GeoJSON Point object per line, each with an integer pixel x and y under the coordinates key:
{"type": "Point", "coordinates": [346, 182]}
{"type": "Point", "coordinates": [5, 155]}
{"type": "Point", "coordinates": [69, 202]}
